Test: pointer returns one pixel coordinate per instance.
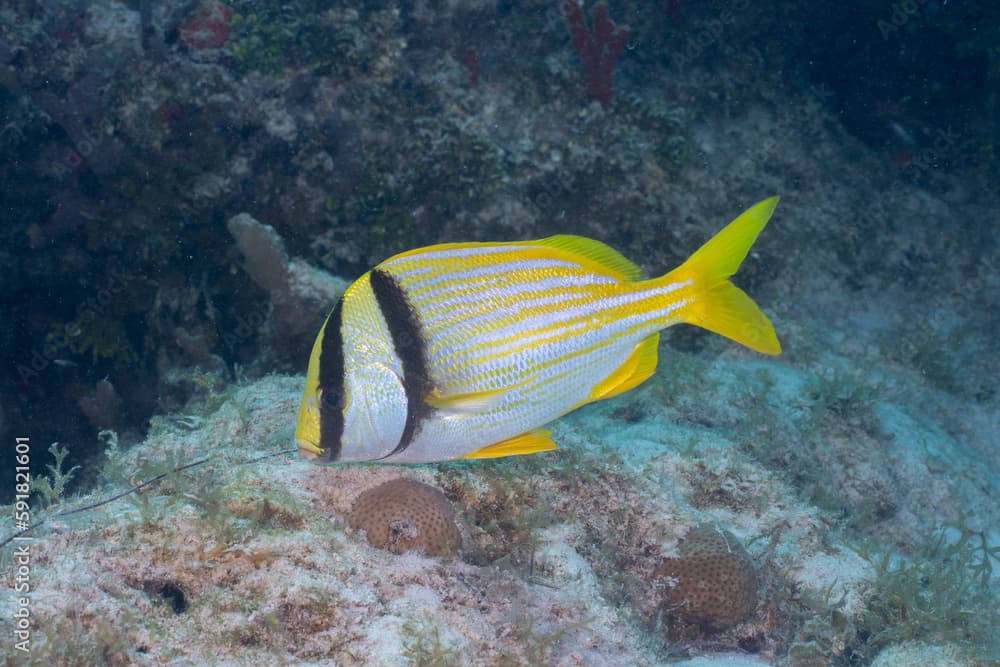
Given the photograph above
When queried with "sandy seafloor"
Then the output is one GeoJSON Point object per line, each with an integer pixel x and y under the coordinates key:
{"type": "Point", "coordinates": [859, 468]}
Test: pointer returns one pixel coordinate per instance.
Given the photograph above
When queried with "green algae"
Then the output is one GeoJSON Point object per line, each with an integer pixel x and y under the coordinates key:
{"type": "Point", "coordinates": [50, 489]}
{"type": "Point", "coordinates": [942, 593]}
{"type": "Point", "coordinates": [423, 645]}
{"type": "Point", "coordinates": [269, 37]}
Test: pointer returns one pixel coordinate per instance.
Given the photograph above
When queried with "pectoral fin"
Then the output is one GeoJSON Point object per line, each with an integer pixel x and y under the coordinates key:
{"type": "Point", "coordinates": [636, 369]}
{"type": "Point", "coordinates": [531, 442]}
{"type": "Point", "coordinates": [473, 402]}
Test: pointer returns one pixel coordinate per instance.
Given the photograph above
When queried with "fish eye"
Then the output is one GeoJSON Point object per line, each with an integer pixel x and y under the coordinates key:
{"type": "Point", "coordinates": [331, 399]}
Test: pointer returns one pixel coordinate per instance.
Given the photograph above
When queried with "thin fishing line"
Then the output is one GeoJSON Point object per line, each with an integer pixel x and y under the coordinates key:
{"type": "Point", "coordinates": [137, 487]}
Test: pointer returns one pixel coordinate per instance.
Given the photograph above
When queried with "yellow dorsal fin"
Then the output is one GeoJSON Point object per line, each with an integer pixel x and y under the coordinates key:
{"type": "Point", "coordinates": [717, 304]}
{"type": "Point", "coordinates": [531, 442]}
{"type": "Point", "coordinates": [637, 368]}
{"type": "Point", "coordinates": [606, 257]}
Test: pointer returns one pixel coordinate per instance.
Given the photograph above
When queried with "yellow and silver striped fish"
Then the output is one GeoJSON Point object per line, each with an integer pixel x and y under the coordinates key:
{"type": "Point", "coordinates": [465, 350]}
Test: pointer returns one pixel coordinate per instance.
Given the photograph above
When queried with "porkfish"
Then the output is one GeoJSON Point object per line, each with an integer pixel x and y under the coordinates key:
{"type": "Point", "coordinates": [465, 350]}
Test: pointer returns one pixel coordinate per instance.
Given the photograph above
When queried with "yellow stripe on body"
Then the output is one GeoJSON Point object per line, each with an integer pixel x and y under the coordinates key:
{"type": "Point", "coordinates": [453, 257]}
{"type": "Point", "coordinates": [629, 337]}
{"type": "Point", "coordinates": [471, 301]}
{"type": "Point", "coordinates": [451, 252]}
{"type": "Point", "coordinates": [455, 301]}
{"type": "Point", "coordinates": [443, 302]}
{"type": "Point", "coordinates": [444, 277]}
{"type": "Point", "coordinates": [440, 294]}
{"type": "Point", "coordinates": [459, 329]}
{"type": "Point", "coordinates": [561, 385]}
{"type": "Point", "coordinates": [488, 311]}
{"type": "Point", "coordinates": [480, 359]}
{"type": "Point", "coordinates": [420, 280]}
{"type": "Point", "coordinates": [606, 318]}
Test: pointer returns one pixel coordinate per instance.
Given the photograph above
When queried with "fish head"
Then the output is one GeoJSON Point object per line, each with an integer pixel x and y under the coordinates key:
{"type": "Point", "coordinates": [362, 420]}
{"type": "Point", "coordinates": [354, 404]}
{"type": "Point", "coordinates": [307, 428]}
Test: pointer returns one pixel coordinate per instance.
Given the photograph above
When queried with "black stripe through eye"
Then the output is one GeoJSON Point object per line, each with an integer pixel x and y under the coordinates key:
{"type": "Point", "coordinates": [331, 384]}
{"type": "Point", "coordinates": [410, 347]}
{"type": "Point", "coordinates": [333, 399]}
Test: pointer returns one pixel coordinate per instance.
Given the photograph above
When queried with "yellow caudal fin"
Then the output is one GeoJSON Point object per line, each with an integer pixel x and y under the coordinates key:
{"type": "Point", "coordinates": [717, 304]}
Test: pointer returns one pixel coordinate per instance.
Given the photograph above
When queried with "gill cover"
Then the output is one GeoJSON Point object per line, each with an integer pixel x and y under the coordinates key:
{"type": "Point", "coordinates": [375, 415]}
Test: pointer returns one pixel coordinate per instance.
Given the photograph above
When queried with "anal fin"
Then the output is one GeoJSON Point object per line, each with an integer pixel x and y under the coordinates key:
{"type": "Point", "coordinates": [639, 365]}
{"type": "Point", "coordinates": [531, 442]}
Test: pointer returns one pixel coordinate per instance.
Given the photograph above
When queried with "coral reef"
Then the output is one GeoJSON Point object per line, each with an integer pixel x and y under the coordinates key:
{"type": "Point", "coordinates": [403, 515]}
{"type": "Point", "coordinates": [301, 296]}
{"type": "Point", "coordinates": [712, 582]}
{"type": "Point", "coordinates": [599, 49]}
{"type": "Point", "coordinates": [208, 26]}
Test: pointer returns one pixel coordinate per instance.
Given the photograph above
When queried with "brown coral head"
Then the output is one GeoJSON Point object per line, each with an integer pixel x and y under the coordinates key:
{"type": "Point", "coordinates": [403, 515]}
{"type": "Point", "coordinates": [713, 582]}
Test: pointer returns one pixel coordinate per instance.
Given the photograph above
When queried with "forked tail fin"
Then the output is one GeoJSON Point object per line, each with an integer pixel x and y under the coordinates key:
{"type": "Point", "coordinates": [717, 304]}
